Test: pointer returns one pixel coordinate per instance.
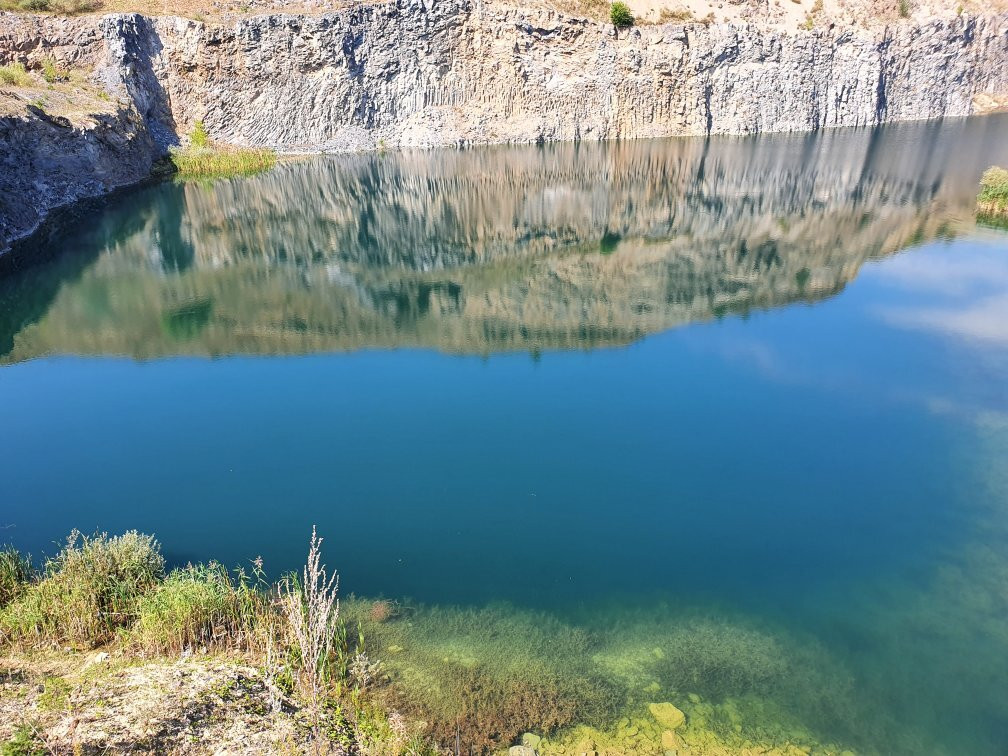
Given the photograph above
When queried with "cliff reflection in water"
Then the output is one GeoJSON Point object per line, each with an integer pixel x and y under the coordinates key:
{"type": "Point", "coordinates": [555, 247]}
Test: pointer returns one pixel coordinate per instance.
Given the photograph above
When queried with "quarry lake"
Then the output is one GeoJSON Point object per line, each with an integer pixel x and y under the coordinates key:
{"type": "Point", "coordinates": [719, 422]}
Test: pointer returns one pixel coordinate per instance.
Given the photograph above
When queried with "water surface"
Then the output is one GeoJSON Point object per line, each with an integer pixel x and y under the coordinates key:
{"type": "Point", "coordinates": [748, 390]}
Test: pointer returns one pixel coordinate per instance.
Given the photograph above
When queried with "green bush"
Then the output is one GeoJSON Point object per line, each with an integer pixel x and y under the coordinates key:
{"type": "Point", "coordinates": [89, 590]}
{"type": "Point", "coordinates": [992, 201]}
{"type": "Point", "coordinates": [197, 606]}
{"type": "Point", "coordinates": [15, 573]}
{"type": "Point", "coordinates": [620, 15]}
{"type": "Point", "coordinates": [198, 137]}
{"type": "Point", "coordinates": [53, 71]}
{"type": "Point", "coordinates": [994, 185]}
{"type": "Point", "coordinates": [904, 8]}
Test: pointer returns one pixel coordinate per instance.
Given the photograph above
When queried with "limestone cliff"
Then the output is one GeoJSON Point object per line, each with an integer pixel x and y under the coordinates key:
{"type": "Point", "coordinates": [416, 73]}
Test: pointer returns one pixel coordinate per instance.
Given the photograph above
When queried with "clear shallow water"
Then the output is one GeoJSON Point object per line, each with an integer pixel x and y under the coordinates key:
{"type": "Point", "coordinates": [749, 390]}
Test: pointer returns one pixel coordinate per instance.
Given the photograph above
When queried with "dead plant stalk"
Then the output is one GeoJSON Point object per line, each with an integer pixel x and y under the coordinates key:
{"type": "Point", "coordinates": [312, 610]}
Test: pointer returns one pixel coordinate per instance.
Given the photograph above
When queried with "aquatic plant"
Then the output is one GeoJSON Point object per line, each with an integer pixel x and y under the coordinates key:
{"type": "Point", "coordinates": [221, 162]}
{"type": "Point", "coordinates": [483, 676]}
{"type": "Point", "coordinates": [718, 660]}
{"type": "Point", "coordinates": [91, 588]}
{"type": "Point", "coordinates": [381, 611]}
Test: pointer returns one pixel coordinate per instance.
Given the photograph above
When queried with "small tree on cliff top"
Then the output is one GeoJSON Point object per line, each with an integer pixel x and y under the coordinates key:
{"type": "Point", "coordinates": [620, 15]}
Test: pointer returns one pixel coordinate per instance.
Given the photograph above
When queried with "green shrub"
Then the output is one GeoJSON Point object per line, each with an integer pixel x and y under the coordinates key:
{"type": "Point", "coordinates": [904, 8]}
{"type": "Point", "coordinates": [15, 573]}
{"type": "Point", "coordinates": [15, 75]}
{"type": "Point", "coordinates": [197, 606]}
{"type": "Point", "coordinates": [53, 72]}
{"type": "Point", "coordinates": [620, 15]}
{"type": "Point", "coordinates": [24, 742]}
{"type": "Point", "coordinates": [992, 201]}
{"type": "Point", "coordinates": [994, 185]}
{"type": "Point", "coordinates": [198, 137]}
{"type": "Point", "coordinates": [90, 589]}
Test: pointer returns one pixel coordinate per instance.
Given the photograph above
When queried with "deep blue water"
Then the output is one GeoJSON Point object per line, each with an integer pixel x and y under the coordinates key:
{"type": "Point", "coordinates": [761, 384]}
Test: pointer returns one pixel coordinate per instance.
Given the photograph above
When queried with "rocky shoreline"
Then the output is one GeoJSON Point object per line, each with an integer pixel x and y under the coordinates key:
{"type": "Point", "coordinates": [454, 73]}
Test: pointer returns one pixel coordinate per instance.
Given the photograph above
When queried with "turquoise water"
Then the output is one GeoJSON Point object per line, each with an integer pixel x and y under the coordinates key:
{"type": "Point", "coordinates": [755, 385]}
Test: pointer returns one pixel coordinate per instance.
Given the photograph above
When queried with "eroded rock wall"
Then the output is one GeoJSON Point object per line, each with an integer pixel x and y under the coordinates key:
{"type": "Point", "coordinates": [457, 72]}
{"type": "Point", "coordinates": [425, 73]}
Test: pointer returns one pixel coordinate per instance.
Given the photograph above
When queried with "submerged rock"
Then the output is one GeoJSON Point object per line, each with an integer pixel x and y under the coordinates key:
{"type": "Point", "coordinates": [531, 740]}
{"type": "Point", "coordinates": [669, 740]}
{"type": "Point", "coordinates": [667, 715]}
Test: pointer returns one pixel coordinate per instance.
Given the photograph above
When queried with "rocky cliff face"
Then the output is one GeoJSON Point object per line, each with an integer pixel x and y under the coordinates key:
{"type": "Point", "coordinates": [416, 73]}
{"type": "Point", "coordinates": [455, 72]}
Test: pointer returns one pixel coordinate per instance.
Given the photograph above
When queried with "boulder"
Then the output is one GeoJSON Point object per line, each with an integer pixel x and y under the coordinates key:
{"type": "Point", "coordinates": [667, 715]}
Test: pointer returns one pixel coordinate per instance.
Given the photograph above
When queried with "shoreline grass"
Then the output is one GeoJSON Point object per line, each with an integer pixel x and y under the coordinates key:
{"type": "Point", "coordinates": [220, 162]}
{"type": "Point", "coordinates": [448, 679]}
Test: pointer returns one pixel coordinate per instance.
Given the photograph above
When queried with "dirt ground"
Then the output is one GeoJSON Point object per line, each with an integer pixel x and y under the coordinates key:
{"type": "Point", "coordinates": [99, 703]}
{"type": "Point", "coordinates": [783, 14]}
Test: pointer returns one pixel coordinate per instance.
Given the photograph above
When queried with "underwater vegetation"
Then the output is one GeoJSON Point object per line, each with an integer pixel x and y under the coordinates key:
{"type": "Point", "coordinates": [645, 676]}
{"type": "Point", "coordinates": [482, 677]}
{"type": "Point", "coordinates": [486, 675]}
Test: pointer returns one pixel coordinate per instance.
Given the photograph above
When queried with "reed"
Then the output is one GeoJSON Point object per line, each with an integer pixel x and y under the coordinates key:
{"type": "Point", "coordinates": [87, 592]}
{"type": "Point", "coordinates": [221, 162]}
{"type": "Point", "coordinates": [15, 573]}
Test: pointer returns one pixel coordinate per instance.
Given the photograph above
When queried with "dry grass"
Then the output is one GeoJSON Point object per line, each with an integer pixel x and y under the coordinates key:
{"type": "Point", "coordinates": [59, 7]}
{"type": "Point", "coordinates": [312, 608]}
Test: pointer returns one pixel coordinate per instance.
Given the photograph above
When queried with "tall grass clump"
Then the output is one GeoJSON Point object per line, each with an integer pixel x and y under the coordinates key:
{"type": "Point", "coordinates": [213, 162]}
{"type": "Point", "coordinates": [53, 72]}
{"type": "Point", "coordinates": [199, 607]}
{"type": "Point", "coordinates": [201, 159]}
{"type": "Point", "coordinates": [15, 75]}
{"type": "Point", "coordinates": [312, 610]}
{"type": "Point", "coordinates": [992, 201]}
{"type": "Point", "coordinates": [15, 573]}
{"type": "Point", "coordinates": [89, 590]}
